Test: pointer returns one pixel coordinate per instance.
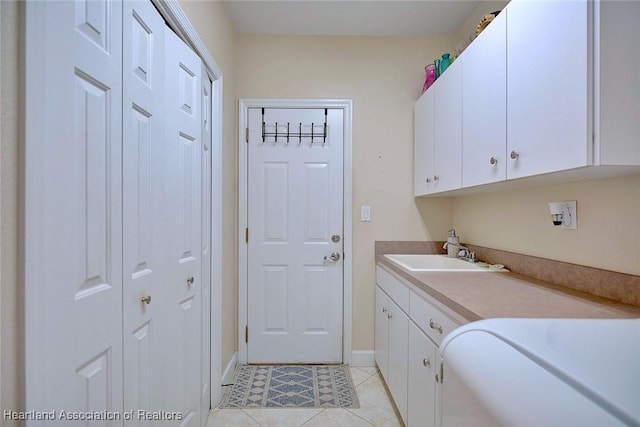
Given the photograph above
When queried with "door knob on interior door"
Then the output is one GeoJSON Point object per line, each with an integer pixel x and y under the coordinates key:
{"type": "Point", "coordinates": [335, 256]}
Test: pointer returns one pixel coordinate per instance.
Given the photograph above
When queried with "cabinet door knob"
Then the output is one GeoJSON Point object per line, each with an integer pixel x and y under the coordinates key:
{"type": "Point", "coordinates": [514, 155]}
{"type": "Point", "coordinates": [190, 280]}
{"type": "Point", "coordinates": [146, 300]}
{"type": "Point", "coordinates": [428, 180]}
{"type": "Point", "coordinates": [384, 309]}
{"type": "Point", "coordinates": [434, 325]}
{"type": "Point", "coordinates": [493, 160]}
{"type": "Point", "coordinates": [426, 362]}
{"type": "Point", "coordinates": [436, 177]}
{"type": "Point", "coordinates": [389, 316]}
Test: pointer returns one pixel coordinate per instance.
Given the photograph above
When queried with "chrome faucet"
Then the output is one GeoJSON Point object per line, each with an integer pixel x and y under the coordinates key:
{"type": "Point", "coordinates": [463, 252]}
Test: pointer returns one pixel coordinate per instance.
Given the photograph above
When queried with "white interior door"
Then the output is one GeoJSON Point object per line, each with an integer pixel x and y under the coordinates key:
{"type": "Point", "coordinates": [74, 211]}
{"type": "Point", "coordinates": [145, 249]}
{"type": "Point", "coordinates": [183, 167]}
{"type": "Point", "coordinates": [295, 207]}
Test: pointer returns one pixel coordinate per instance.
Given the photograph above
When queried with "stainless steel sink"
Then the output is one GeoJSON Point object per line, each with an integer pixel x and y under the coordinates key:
{"type": "Point", "coordinates": [432, 262]}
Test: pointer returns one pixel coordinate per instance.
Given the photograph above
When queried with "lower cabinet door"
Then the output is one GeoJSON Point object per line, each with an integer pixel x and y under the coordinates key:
{"type": "Point", "coordinates": [382, 333]}
{"type": "Point", "coordinates": [422, 365]}
{"type": "Point", "coordinates": [398, 349]}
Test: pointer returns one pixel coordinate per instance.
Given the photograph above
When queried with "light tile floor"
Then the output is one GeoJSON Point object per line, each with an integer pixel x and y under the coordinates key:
{"type": "Point", "coordinates": [375, 409]}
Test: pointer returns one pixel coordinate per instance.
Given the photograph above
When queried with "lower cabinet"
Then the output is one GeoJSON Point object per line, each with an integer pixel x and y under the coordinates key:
{"type": "Point", "coordinates": [409, 327]}
{"type": "Point", "coordinates": [398, 353]}
{"type": "Point", "coordinates": [391, 348]}
{"type": "Point", "coordinates": [421, 387]}
{"type": "Point", "coordinates": [382, 332]}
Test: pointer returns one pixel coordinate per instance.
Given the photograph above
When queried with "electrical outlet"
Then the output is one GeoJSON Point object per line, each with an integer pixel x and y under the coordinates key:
{"type": "Point", "coordinates": [564, 214]}
{"type": "Point", "coordinates": [570, 217]}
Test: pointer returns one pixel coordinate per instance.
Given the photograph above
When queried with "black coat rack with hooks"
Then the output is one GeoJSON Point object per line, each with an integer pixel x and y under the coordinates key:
{"type": "Point", "coordinates": [293, 134]}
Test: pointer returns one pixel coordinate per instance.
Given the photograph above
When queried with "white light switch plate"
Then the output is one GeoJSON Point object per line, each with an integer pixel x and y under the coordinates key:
{"type": "Point", "coordinates": [365, 213]}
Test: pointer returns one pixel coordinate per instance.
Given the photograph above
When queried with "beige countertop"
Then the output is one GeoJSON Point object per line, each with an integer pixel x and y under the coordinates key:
{"type": "Point", "coordinates": [477, 296]}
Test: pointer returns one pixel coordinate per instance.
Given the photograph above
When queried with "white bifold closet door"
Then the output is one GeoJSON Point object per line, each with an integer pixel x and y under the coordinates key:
{"type": "Point", "coordinates": [116, 319]}
{"type": "Point", "coordinates": [206, 133]}
{"type": "Point", "coordinates": [145, 252]}
{"type": "Point", "coordinates": [184, 212]}
{"type": "Point", "coordinates": [73, 229]}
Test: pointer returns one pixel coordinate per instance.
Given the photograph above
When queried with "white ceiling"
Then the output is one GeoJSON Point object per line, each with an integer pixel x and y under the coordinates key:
{"type": "Point", "coordinates": [350, 17]}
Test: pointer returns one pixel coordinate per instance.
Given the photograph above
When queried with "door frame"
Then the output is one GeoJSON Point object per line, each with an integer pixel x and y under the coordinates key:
{"type": "Point", "coordinates": [177, 20]}
{"type": "Point", "coordinates": [346, 105]}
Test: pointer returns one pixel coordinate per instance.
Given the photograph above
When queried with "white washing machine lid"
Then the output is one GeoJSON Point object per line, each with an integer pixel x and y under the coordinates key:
{"type": "Point", "coordinates": [599, 358]}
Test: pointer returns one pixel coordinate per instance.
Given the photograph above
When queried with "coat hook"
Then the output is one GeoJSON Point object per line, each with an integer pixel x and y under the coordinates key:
{"type": "Point", "coordinates": [324, 141]}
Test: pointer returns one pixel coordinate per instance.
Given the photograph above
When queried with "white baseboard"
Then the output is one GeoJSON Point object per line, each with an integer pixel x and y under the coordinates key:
{"type": "Point", "coordinates": [364, 358]}
{"type": "Point", "coordinates": [227, 376]}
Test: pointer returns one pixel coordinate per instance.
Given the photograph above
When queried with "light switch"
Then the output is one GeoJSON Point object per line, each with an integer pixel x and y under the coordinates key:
{"type": "Point", "coordinates": [365, 213]}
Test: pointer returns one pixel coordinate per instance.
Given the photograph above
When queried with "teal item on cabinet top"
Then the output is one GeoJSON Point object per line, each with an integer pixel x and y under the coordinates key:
{"type": "Point", "coordinates": [446, 61]}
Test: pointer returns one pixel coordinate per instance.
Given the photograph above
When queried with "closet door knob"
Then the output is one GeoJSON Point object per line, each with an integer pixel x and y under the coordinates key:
{"type": "Point", "coordinates": [146, 300]}
{"type": "Point", "coordinates": [493, 160]}
{"type": "Point", "coordinates": [514, 155]}
{"type": "Point", "coordinates": [190, 280]}
{"type": "Point", "coordinates": [436, 177]}
{"type": "Point", "coordinates": [426, 362]}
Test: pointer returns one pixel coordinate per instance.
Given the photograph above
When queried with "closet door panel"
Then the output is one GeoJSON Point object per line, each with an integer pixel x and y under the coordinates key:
{"type": "Point", "coordinates": [145, 252]}
{"type": "Point", "coordinates": [183, 167]}
{"type": "Point", "coordinates": [73, 230]}
{"type": "Point", "coordinates": [207, 135]}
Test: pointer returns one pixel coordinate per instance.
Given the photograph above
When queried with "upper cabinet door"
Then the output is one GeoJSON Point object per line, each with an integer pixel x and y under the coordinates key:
{"type": "Point", "coordinates": [484, 106]}
{"type": "Point", "coordinates": [448, 129]}
{"type": "Point", "coordinates": [548, 71]}
{"type": "Point", "coordinates": [424, 116]}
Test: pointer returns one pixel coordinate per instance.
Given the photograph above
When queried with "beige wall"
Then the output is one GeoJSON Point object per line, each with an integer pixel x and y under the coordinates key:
{"type": "Point", "coordinates": [383, 77]}
{"type": "Point", "coordinates": [608, 223]}
{"type": "Point", "coordinates": [214, 28]}
{"type": "Point", "coordinates": [11, 383]}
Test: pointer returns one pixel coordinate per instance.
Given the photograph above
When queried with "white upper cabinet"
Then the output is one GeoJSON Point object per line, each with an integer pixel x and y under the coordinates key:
{"type": "Point", "coordinates": [617, 91]}
{"type": "Point", "coordinates": [448, 130]}
{"type": "Point", "coordinates": [548, 90]}
{"type": "Point", "coordinates": [484, 106]}
{"type": "Point", "coordinates": [424, 117]}
{"type": "Point", "coordinates": [548, 126]}
{"type": "Point", "coordinates": [438, 135]}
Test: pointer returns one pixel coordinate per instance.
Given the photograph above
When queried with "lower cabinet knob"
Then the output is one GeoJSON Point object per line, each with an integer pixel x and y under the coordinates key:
{"type": "Point", "coordinates": [146, 300]}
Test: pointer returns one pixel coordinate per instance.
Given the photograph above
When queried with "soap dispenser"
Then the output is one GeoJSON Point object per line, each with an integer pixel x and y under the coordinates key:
{"type": "Point", "coordinates": [452, 251]}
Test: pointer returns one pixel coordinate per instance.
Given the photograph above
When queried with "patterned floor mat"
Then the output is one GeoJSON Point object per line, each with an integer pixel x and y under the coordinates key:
{"type": "Point", "coordinates": [291, 386]}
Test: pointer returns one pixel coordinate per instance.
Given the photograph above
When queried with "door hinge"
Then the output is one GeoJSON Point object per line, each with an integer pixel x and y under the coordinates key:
{"type": "Point", "coordinates": [246, 134]}
{"type": "Point", "coordinates": [246, 235]}
{"type": "Point", "coordinates": [246, 334]}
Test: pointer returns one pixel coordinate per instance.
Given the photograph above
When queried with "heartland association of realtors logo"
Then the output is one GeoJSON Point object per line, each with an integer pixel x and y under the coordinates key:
{"type": "Point", "coordinates": [63, 415]}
